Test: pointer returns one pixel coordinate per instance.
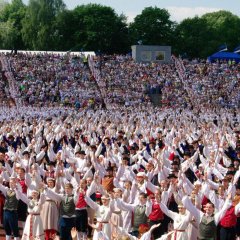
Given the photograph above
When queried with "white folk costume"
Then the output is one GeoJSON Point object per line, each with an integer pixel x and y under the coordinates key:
{"type": "Point", "coordinates": [34, 227]}
{"type": "Point", "coordinates": [103, 214]}
{"type": "Point", "coordinates": [180, 224]}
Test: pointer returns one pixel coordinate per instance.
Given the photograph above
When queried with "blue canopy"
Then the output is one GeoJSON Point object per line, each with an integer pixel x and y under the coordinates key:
{"type": "Point", "coordinates": [224, 56]}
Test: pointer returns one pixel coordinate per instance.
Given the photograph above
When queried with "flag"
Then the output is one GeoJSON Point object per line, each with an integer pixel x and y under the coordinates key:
{"type": "Point", "coordinates": [223, 48]}
{"type": "Point", "coordinates": [237, 49]}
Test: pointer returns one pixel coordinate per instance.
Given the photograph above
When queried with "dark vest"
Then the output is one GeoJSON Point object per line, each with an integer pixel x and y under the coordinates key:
{"type": "Point", "coordinates": [139, 217]}
{"type": "Point", "coordinates": [93, 197]}
{"type": "Point", "coordinates": [207, 228]}
{"type": "Point", "coordinates": [11, 202]}
{"type": "Point", "coordinates": [67, 208]}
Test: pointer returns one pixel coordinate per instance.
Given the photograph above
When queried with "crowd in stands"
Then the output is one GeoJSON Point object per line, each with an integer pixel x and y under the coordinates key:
{"type": "Point", "coordinates": [51, 80]}
{"type": "Point", "coordinates": [215, 84]}
{"type": "Point", "coordinates": [85, 154]}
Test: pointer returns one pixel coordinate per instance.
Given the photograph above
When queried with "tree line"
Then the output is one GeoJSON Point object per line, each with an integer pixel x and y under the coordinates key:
{"type": "Point", "coordinates": [49, 25]}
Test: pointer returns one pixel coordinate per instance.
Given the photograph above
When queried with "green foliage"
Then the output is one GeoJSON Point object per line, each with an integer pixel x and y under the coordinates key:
{"type": "Point", "coordinates": [225, 27]}
{"type": "Point", "coordinates": [153, 27]}
{"type": "Point", "coordinates": [65, 28]}
{"type": "Point", "coordinates": [38, 25]}
{"type": "Point", "coordinates": [200, 37]}
{"type": "Point", "coordinates": [193, 36]}
{"type": "Point", "coordinates": [11, 16]}
{"type": "Point", "coordinates": [48, 25]}
{"type": "Point", "coordinates": [100, 28]}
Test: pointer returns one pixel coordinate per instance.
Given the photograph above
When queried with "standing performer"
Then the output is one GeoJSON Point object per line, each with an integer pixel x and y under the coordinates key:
{"type": "Point", "coordinates": [67, 210]}
{"type": "Point", "coordinates": [10, 216]}
{"type": "Point", "coordinates": [34, 227]}
{"type": "Point", "coordinates": [207, 221]}
{"type": "Point", "coordinates": [103, 214]}
{"type": "Point", "coordinates": [50, 213]}
{"type": "Point", "coordinates": [81, 211]}
{"type": "Point", "coordinates": [180, 223]}
{"type": "Point", "coordinates": [22, 206]}
{"type": "Point", "coordinates": [140, 211]}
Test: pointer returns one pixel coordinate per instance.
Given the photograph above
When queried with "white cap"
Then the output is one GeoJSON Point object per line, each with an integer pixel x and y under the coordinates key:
{"type": "Point", "coordinates": [200, 165]}
{"type": "Point", "coordinates": [141, 174]}
{"type": "Point", "coordinates": [18, 165]}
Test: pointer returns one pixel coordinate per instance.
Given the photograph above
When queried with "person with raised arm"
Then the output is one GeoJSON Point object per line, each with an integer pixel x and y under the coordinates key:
{"type": "Point", "coordinates": [49, 212]}
{"type": "Point", "coordinates": [140, 211]}
{"type": "Point", "coordinates": [67, 201]}
{"type": "Point", "coordinates": [10, 216]}
{"type": "Point", "coordinates": [103, 212]}
{"type": "Point", "coordinates": [181, 221]}
{"type": "Point", "coordinates": [207, 221]}
{"type": "Point", "coordinates": [33, 228]}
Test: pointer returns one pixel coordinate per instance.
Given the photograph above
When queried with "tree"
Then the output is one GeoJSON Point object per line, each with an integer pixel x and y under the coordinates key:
{"type": "Point", "coordinates": [194, 37]}
{"type": "Point", "coordinates": [225, 27]}
{"type": "Point", "coordinates": [11, 24]}
{"type": "Point", "coordinates": [38, 30]}
{"type": "Point", "coordinates": [200, 37]}
{"type": "Point", "coordinates": [153, 27]}
{"type": "Point", "coordinates": [2, 5]}
{"type": "Point", "coordinates": [100, 28]}
{"type": "Point", "coordinates": [66, 26]}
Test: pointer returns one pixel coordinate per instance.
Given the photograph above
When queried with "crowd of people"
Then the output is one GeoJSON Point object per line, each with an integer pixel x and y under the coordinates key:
{"type": "Point", "coordinates": [212, 84]}
{"type": "Point", "coordinates": [53, 80]}
{"type": "Point", "coordinates": [120, 169]}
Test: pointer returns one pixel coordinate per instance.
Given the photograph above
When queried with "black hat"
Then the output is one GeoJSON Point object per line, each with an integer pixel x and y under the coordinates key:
{"type": "Point", "coordinates": [126, 158]}
{"type": "Point", "coordinates": [230, 173]}
{"type": "Point", "coordinates": [109, 169]}
{"type": "Point", "coordinates": [51, 164]}
{"type": "Point", "coordinates": [172, 176]}
{"type": "Point", "coordinates": [25, 153]}
{"type": "Point", "coordinates": [82, 152]}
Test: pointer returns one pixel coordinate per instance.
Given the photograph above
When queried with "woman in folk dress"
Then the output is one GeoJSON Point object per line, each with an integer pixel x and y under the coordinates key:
{"type": "Point", "coordinates": [34, 227]}
{"type": "Point", "coordinates": [181, 221]}
{"type": "Point", "coordinates": [103, 214]}
{"type": "Point", "coordinates": [50, 213]}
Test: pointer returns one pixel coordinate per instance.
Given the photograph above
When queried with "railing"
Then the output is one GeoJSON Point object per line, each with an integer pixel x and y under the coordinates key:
{"type": "Point", "coordinates": [181, 70]}
{"type": "Point", "coordinates": [13, 89]}
{"type": "Point", "coordinates": [97, 76]}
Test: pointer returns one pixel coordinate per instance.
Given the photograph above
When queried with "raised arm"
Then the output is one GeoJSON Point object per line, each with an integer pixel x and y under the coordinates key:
{"type": "Point", "coordinates": [55, 196]}
{"type": "Point", "coordinates": [168, 212]}
{"type": "Point", "coordinates": [3, 189]}
{"type": "Point", "coordinates": [148, 208]}
{"type": "Point", "coordinates": [125, 206]}
{"type": "Point", "coordinates": [91, 203]}
{"type": "Point", "coordinates": [22, 196]}
{"type": "Point", "coordinates": [187, 203]}
{"type": "Point", "coordinates": [218, 216]}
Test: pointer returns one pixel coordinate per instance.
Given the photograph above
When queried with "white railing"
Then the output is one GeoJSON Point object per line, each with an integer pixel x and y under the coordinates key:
{"type": "Point", "coordinates": [181, 70]}
{"type": "Point", "coordinates": [97, 76]}
{"type": "Point", "coordinates": [13, 89]}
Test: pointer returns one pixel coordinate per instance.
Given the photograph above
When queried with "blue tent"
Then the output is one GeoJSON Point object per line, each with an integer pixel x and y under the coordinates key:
{"type": "Point", "coordinates": [221, 56]}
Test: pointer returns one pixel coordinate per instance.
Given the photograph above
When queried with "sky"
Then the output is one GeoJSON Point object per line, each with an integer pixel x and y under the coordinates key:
{"type": "Point", "coordinates": [179, 9]}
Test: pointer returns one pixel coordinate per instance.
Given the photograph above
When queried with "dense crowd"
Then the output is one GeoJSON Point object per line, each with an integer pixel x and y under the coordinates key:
{"type": "Point", "coordinates": [118, 167]}
{"type": "Point", "coordinates": [53, 80]}
{"type": "Point", "coordinates": [215, 84]}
